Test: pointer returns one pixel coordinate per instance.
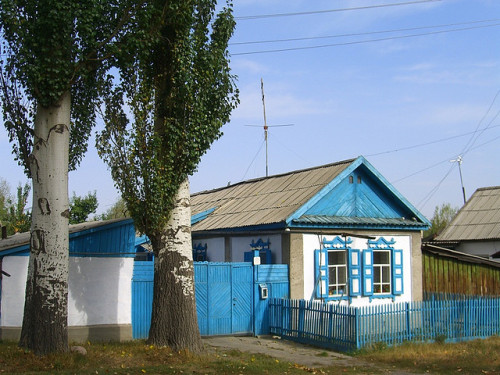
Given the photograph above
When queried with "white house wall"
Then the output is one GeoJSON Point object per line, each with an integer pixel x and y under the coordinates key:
{"type": "Point", "coordinates": [99, 291]}
{"type": "Point", "coordinates": [311, 242]}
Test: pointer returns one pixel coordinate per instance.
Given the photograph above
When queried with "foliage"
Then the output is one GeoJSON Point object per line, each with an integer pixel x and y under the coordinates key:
{"type": "Point", "coordinates": [443, 215]}
{"type": "Point", "coordinates": [81, 207]}
{"type": "Point", "coordinates": [180, 92]}
{"type": "Point", "coordinates": [13, 213]}
{"type": "Point", "coordinates": [116, 211]}
{"type": "Point", "coordinates": [49, 48]}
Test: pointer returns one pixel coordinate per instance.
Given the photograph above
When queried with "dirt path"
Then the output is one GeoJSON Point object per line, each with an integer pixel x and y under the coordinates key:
{"type": "Point", "coordinates": [291, 352]}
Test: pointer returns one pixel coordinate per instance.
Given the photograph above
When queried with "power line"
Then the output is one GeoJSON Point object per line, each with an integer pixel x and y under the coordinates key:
{"type": "Point", "coordinates": [362, 41]}
{"type": "Point", "coordinates": [298, 39]}
{"type": "Point", "coordinates": [274, 15]}
{"type": "Point", "coordinates": [433, 142]}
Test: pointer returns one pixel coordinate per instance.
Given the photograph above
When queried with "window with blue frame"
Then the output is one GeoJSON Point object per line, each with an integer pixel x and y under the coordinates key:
{"type": "Point", "coordinates": [261, 249]}
{"type": "Point", "coordinates": [382, 269]}
{"type": "Point", "coordinates": [200, 253]}
{"type": "Point", "coordinates": [337, 270]}
{"type": "Point", "coordinates": [342, 272]}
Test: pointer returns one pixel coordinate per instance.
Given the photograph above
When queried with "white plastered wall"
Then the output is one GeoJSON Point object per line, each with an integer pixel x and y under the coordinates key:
{"type": "Point", "coordinates": [312, 242]}
{"type": "Point", "coordinates": [100, 291]}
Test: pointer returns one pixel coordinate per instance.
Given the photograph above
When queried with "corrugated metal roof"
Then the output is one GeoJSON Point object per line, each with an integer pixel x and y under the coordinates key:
{"type": "Point", "coordinates": [268, 200]}
{"type": "Point", "coordinates": [478, 219]}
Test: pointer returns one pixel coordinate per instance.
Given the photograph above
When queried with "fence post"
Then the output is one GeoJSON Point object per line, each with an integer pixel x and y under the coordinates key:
{"type": "Point", "coordinates": [302, 309]}
{"type": "Point", "coordinates": [408, 327]}
{"type": "Point", "coordinates": [356, 326]}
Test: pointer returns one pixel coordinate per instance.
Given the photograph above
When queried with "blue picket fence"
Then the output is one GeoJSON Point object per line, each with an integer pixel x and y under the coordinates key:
{"type": "Point", "coordinates": [347, 328]}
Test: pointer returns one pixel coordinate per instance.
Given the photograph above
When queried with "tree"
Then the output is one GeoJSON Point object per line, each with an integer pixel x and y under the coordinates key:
{"type": "Point", "coordinates": [81, 207]}
{"type": "Point", "coordinates": [180, 92]}
{"type": "Point", "coordinates": [19, 219]}
{"type": "Point", "coordinates": [443, 215]}
{"type": "Point", "coordinates": [116, 211]}
{"type": "Point", "coordinates": [13, 213]}
{"type": "Point", "coordinates": [52, 68]}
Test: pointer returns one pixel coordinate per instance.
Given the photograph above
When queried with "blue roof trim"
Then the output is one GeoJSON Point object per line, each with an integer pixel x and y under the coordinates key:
{"type": "Point", "coordinates": [201, 215]}
{"type": "Point", "coordinates": [294, 219]}
{"type": "Point", "coordinates": [250, 228]}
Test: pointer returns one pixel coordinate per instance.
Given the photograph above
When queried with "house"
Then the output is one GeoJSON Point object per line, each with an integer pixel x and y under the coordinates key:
{"type": "Point", "coordinates": [345, 232]}
{"type": "Point", "coordinates": [100, 273]}
{"type": "Point", "coordinates": [476, 227]}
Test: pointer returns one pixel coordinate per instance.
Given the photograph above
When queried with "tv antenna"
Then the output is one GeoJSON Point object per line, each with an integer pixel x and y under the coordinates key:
{"type": "Point", "coordinates": [266, 127]}
{"type": "Point", "coordinates": [459, 160]}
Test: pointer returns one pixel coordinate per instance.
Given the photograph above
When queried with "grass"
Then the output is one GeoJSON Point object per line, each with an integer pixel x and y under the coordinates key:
{"type": "Point", "coordinates": [472, 357]}
{"type": "Point", "coordinates": [468, 357]}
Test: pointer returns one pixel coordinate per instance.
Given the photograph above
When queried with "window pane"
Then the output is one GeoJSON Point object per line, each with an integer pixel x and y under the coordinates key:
{"type": "Point", "coordinates": [376, 274]}
{"type": "Point", "coordinates": [336, 257]}
{"type": "Point", "coordinates": [342, 275]}
{"type": "Point", "coordinates": [386, 274]}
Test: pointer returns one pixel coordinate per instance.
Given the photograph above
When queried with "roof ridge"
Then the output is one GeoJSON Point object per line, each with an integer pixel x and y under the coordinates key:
{"type": "Point", "coordinates": [346, 161]}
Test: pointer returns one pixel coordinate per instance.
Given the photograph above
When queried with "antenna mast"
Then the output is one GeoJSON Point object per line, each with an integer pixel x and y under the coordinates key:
{"type": "Point", "coordinates": [265, 123]}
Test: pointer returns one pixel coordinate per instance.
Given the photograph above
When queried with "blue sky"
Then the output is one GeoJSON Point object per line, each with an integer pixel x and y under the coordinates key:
{"type": "Point", "coordinates": [410, 85]}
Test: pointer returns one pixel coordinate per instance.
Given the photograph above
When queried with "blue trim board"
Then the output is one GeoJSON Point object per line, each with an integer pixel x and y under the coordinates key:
{"type": "Point", "coordinates": [200, 216]}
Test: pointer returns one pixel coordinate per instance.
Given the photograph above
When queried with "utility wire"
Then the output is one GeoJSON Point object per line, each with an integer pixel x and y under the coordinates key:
{"type": "Point", "coordinates": [474, 138]}
{"type": "Point", "coordinates": [362, 41]}
{"type": "Point", "coordinates": [275, 15]}
{"type": "Point", "coordinates": [361, 34]}
{"type": "Point", "coordinates": [433, 142]}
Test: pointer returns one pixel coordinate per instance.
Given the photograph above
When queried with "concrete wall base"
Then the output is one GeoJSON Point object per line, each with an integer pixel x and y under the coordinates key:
{"type": "Point", "coordinates": [81, 334]}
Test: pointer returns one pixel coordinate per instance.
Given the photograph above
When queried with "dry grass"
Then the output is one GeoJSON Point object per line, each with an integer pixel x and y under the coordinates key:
{"type": "Point", "coordinates": [469, 357]}
{"type": "Point", "coordinates": [473, 357]}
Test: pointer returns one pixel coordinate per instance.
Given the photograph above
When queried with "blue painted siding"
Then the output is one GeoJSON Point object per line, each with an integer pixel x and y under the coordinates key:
{"type": "Point", "coordinates": [364, 199]}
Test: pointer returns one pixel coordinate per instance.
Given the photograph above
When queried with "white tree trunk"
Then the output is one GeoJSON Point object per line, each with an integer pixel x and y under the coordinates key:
{"type": "Point", "coordinates": [174, 319]}
{"type": "Point", "coordinates": [45, 311]}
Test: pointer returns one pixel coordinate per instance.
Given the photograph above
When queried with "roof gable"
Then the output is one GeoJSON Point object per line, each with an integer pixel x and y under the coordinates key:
{"type": "Point", "coordinates": [360, 195]}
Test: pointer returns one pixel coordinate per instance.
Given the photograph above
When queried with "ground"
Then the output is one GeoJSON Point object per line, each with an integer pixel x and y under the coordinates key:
{"type": "Point", "coordinates": [289, 351]}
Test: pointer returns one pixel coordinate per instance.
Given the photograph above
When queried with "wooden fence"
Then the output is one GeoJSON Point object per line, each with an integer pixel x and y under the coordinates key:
{"type": "Point", "coordinates": [451, 272]}
{"type": "Point", "coordinates": [348, 328]}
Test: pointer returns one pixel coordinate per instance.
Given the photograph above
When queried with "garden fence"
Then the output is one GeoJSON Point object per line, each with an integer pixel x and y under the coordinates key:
{"type": "Point", "coordinates": [348, 328]}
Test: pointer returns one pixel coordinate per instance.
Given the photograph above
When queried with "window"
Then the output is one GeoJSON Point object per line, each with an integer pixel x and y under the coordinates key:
{"type": "Point", "coordinates": [338, 273]}
{"type": "Point", "coordinates": [342, 272]}
{"type": "Point", "coordinates": [381, 271]}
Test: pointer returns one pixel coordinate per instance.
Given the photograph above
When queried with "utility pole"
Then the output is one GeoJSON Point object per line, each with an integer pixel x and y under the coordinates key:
{"type": "Point", "coordinates": [459, 160]}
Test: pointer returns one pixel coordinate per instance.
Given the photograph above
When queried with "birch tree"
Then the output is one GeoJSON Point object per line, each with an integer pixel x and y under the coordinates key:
{"type": "Point", "coordinates": [179, 92]}
{"type": "Point", "coordinates": [51, 71]}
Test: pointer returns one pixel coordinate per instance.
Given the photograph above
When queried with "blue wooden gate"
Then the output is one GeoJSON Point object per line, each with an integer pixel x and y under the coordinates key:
{"type": "Point", "coordinates": [229, 296]}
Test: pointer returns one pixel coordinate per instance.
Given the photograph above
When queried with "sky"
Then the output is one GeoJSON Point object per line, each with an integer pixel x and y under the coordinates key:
{"type": "Point", "coordinates": [410, 85]}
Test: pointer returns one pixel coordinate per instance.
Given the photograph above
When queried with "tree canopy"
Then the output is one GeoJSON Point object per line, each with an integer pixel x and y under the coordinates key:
{"type": "Point", "coordinates": [443, 215]}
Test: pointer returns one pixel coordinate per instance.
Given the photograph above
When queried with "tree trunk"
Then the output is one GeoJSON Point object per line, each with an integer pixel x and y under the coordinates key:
{"type": "Point", "coordinates": [45, 318]}
{"type": "Point", "coordinates": [174, 321]}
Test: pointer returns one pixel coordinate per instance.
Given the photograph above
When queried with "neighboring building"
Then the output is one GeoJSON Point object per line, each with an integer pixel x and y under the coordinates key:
{"type": "Point", "coordinates": [346, 233]}
{"type": "Point", "coordinates": [100, 273]}
{"type": "Point", "coordinates": [476, 227]}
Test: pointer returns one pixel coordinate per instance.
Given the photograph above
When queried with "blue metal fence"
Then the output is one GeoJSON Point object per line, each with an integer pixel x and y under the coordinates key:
{"type": "Point", "coordinates": [347, 328]}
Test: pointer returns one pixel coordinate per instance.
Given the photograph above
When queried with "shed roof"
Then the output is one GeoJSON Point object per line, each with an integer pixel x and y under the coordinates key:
{"type": "Point", "coordinates": [313, 197]}
{"type": "Point", "coordinates": [478, 219]}
{"type": "Point", "coordinates": [117, 241]}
